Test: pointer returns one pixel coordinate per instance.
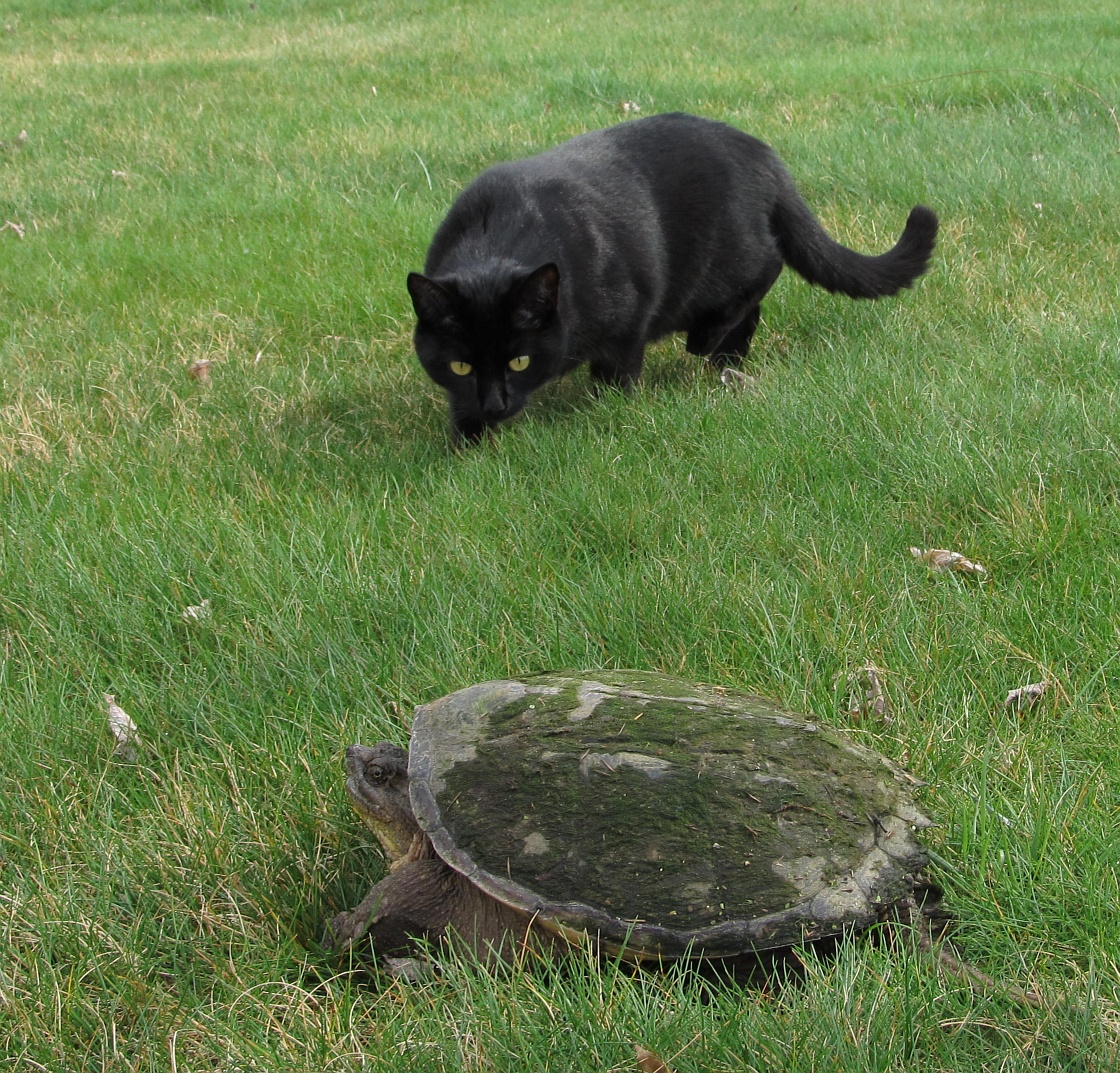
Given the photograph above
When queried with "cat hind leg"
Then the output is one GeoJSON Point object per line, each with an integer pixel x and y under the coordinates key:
{"type": "Point", "coordinates": [724, 339]}
{"type": "Point", "coordinates": [736, 344]}
{"type": "Point", "coordinates": [724, 336]}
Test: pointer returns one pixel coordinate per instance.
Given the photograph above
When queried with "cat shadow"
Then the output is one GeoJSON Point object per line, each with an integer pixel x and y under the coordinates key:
{"type": "Point", "coordinates": [353, 430]}
{"type": "Point", "coordinates": [669, 370]}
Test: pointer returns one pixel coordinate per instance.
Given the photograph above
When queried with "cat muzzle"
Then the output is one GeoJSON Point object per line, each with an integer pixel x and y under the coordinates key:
{"type": "Point", "coordinates": [494, 403]}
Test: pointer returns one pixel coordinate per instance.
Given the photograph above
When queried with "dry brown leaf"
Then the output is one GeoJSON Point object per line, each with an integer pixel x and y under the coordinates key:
{"type": "Point", "coordinates": [1025, 697]}
{"type": "Point", "coordinates": [648, 1062]}
{"type": "Point", "coordinates": [733, 378]}
{"type": "Point", "coordinates": [200, 370]}
{"type": "Point", "coordinates": [942, 561]}
{"type": "Point", "coordinates": [123, 729]}
{"type": "Point", "coordinates": [197, 612]}
{"type": "Point", "coordinates": [868, 696]}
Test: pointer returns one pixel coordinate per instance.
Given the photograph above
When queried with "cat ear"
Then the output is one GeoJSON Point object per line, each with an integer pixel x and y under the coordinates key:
{"type": "Point", "coordinates": [433, 304]}
{"type": "Point", "coordinates": [537, 296]}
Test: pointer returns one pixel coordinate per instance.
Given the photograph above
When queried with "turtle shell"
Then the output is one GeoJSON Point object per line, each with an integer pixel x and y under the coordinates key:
{"type": "Point", "coordinates": [666, 818]}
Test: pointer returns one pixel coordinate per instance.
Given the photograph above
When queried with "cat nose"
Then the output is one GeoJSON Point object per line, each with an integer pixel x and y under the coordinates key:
{"type": "Point", "coordinates": [494, 401]}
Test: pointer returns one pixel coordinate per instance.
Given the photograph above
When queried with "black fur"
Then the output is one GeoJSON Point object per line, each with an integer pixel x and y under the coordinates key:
{"type": "Point", "coordinates": [618, 237]}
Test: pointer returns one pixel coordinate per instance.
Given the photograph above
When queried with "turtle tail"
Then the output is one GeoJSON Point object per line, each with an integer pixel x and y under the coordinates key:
{"type": "Point", "coordinates": [924, 913]}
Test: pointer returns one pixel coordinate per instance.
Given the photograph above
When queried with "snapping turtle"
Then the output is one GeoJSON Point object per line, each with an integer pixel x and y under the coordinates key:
{"type": "Point", "coordinates": [664, 819]}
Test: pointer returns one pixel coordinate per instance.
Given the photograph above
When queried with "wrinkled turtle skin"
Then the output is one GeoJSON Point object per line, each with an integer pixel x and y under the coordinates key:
{"type": "Point", "coordinates": [663, 818]}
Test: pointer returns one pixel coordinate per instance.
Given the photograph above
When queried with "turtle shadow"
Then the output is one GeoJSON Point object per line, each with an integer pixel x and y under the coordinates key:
{"type": "Point", "coordinates": [775, 972]}
{"type": "Point", "coordinates": [771, 973]}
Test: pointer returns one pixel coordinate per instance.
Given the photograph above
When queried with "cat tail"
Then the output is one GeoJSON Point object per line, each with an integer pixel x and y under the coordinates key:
{"type": "Point", "coordinates": [808, 249]}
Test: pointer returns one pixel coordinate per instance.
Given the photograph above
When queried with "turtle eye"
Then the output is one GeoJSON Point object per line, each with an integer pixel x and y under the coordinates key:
{"type": "Point", "coordinates": [461, 368]}
{"type": "Point", "coordinates": [376, 773]}
{"type": "Point", "coordinates": [520, 364]}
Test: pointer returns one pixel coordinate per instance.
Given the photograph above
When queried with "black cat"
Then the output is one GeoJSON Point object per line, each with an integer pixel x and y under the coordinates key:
{"type": "Point", "coordinates": [591, 250]}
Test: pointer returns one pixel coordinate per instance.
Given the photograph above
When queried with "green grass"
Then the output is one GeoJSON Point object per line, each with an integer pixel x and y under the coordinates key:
{"type": "Point", "coordinates": [163, 915]}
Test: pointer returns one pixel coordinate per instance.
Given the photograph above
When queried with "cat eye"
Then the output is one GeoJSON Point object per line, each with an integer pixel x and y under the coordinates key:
{"type": "Point", "coordinates": [461, 368]}
{"type": "Point", "coordinates": [518, 364]}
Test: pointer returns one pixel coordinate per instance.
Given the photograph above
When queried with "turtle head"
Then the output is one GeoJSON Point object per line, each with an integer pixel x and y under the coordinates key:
{"type": "Point", "coordinates": [378, 786]}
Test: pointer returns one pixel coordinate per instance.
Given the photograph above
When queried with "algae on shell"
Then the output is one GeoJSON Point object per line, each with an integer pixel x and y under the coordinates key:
{"type": "Point", "coordinates": [639, 801]}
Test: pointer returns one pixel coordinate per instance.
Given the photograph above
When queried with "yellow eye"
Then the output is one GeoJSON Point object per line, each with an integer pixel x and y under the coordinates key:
{"type": "Point", "coordinates": [518, 364]}
{"type": "Point", "coordinates": [461, 368]}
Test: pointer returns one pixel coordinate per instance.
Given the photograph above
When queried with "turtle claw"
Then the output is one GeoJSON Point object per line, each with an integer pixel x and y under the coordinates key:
{"type": "Point", "coordinates": [411, 970]}
{"type": "Point", "coordinates": [346, 929]}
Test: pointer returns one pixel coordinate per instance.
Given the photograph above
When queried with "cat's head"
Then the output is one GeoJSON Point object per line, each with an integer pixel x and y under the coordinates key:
{"type": "Point", "coordinates": [489, 338]}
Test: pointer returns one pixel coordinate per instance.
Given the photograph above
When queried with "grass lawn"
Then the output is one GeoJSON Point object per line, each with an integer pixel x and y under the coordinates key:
{"type": "Point", "coordinates": [249, 184]}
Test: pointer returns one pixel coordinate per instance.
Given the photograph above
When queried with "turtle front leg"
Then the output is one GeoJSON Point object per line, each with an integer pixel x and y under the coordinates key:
{"type": "Point", "coordinates": [410, 903]}
{"type": "Point", "coordinates": [347, 928]}
{"type": "Point", "coordinates": [428, 900]}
